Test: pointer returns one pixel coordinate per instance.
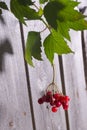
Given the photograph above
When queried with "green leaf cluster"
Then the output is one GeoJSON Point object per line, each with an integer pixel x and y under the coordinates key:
{"type": "Point", "coordinates": [60, 16]}
{"type": "Point", "coordinates": [43, 1]}
{"type": "Point", "coordinates": [33, 47]}
{"type": "Point", "coordinates": [23, 11]}
{"type": "Point", "coordinates": [55, 43]}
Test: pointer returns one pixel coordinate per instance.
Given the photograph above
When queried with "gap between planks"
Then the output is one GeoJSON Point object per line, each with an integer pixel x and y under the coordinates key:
{"type": "Point", "coordinates": [27, 77]}
{"type": "Point", "coordinates": [63, 89]}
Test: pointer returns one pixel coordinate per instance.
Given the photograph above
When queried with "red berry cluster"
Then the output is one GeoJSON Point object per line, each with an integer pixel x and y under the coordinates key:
{"type": "Point", "coordinates": [55, 100]}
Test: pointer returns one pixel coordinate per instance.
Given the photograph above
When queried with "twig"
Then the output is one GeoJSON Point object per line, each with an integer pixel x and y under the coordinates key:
{"type": "Point", "coordinates": [53, 73]}
{"type": "Point", "coordinates": [43, 30]}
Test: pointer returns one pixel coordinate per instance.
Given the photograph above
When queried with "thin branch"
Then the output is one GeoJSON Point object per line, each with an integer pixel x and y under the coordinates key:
{"type": "Point", "coordinates": [43, 30]}
{"type": "Point", "coordinates": [46, 25]}
{"type": "Point", "coordinates": [53, 73]}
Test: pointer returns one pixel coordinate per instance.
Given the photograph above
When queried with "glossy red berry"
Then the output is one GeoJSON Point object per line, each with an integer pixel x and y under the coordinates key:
{"type": "Point", "coordinates": [49, 93]}
{"type": "Point", "coordinates": [61, 99]}
{"type": "Point", "coordinates": [44, 98]}
{"type": "Point", "coordinates": [65, 106]}
{"type": "Point", "coordinates": [48, 96]}
{"type": "Point", "coordinates": [55, 100]}
{"type": "Point", "coordinates": [54, 109]}
{"type": "Point", "coordinates": [58, 104]}
{"type": "Point", "coordinates": [52, 102]}
{"type": "Point", "coordinates": [67, 98]}
{"type": "Point", "coordinates": [56, 96]}
{"type": "Point", "coordinates": [40, 101]}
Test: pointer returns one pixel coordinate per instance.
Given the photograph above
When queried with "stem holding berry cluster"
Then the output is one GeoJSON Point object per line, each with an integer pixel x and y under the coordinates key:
{"type": "Point", "coordinates": [54, 97]}
{"type": "Point", "coordinates": [53, 73]}
{"type": "Point", "coordinates": [52, 86]}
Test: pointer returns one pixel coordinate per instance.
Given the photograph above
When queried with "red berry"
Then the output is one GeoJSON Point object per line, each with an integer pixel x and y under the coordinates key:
{"type": "Point", "coordinates": [48, 96]}
{"type": "Point", "coordinates": [62, 99]}
{"type": "Point", "coordinates": [67, 98]}
{"type": "Point", "coordinates": [40, 101]}
{"type": "Point", "coordinates": [54, 109]}
{"type": "Point", "coordinates": [44, 98]}
{"type": "Point", "coordinates": [56, 96]}
{"type": "Point", "coordinates": [58, 104]}
{"type": "Point", "coordinates": [52, 102]}
{"type": "Point", "coordinates": [49, 93]}
{"type": "Point", "coordinates": [65, 106]}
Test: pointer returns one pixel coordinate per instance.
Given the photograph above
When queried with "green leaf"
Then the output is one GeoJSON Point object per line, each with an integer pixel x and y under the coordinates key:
{"type": "Point", "coordinates": [63, 28]}
{"type": "Point", "coordinates": [78, 25]}
{"type": "Point", "coordinates": [22, 12]}
{"type": "Point", "coordinates": [55, 43]}
{"type": "Point", "coordinates": [3, 5]}
{"type": "Point", "coordinates": [62, 11]}
{"type": "Point", "coordinates": [0, 11]}
{"type": "Point", "coordinates": [50, 12]}
{"type": "Point", "coordinates": [25, 2]}
{"type": "Point", "coordinates": [33, 47]}
{"type": "Point", "coordinates": [69, 14]}
{"type": "Point", "coordinates": [42, 1]}
{"type": "Point", "coordinates": [67, 2]}
{"type": "Point", "coordinates": [72, 4]}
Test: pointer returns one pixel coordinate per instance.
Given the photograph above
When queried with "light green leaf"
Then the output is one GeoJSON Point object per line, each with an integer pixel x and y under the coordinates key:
{"type": "Point", "coordinates": [40, 12]}
{"type": "Point", "coordinates": [3, 5]}
{"type": "Point", "coordinates": [72, 4]}
{"type": "Point", "coordinates": [63, 28]}
{"type": "Point", "coordinates": [69, 14]}
{"type": "Point", "coordinates": [61, 11]}
{"type": "Point", "coordinates": [33, 47]}
{"type": "Point", "coordinates": [67, 2]}
{"type": "Point", "coordinates": [42, 1]}
{"type": "Point", "coordinates": [78, 25]}
{"type": "Point", "coordinates": [22, 12]}
{"type": "Point", "coordinates": [55, 43]}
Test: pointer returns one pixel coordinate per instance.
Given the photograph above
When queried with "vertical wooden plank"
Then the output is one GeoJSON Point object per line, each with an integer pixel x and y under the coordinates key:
{"type": "Point", "coordinates": [40, 77]}
{"type": "Point", "coordinates": [14, 101]}
{"type": "Point", "coordinates": [83, 6]}
{"type": "Point", "coordinates": [75, 84]}
{"type": "Point", "coordinates": [63, 89]}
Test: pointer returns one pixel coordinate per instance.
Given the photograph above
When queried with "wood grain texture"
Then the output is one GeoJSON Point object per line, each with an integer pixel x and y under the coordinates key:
{"type": "Point", "coordinates": [77, 77]}
{"type": "Point", "coordinates": [14, 101]}
{"type": "Point", "coordinates": [17, 93]}
{"type": "Point", "coordinates": [75, 84]}
{"type": "Point", "coordinates": [40, 77]}
{"type": "Point", "coordinates": [83, 7]}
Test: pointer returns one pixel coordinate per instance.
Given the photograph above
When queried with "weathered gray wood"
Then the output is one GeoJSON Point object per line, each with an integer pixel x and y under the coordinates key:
{"type": "Point", "coordinates": [14, 101]}
{"type": "Point", "coordinates": [74, 67]}
{"type": "Point", "coordinates": [15, 107]}
{"type": "Point", "coordinates": [75, 84]}
{"type": "Point", "coordinates": [40, 77]}
{"type": "Point", "coordinates": [84, 39]}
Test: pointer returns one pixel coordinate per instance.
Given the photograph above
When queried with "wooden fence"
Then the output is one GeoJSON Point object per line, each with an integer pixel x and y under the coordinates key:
{"type": "Point", "coordinates": [22, 85]}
